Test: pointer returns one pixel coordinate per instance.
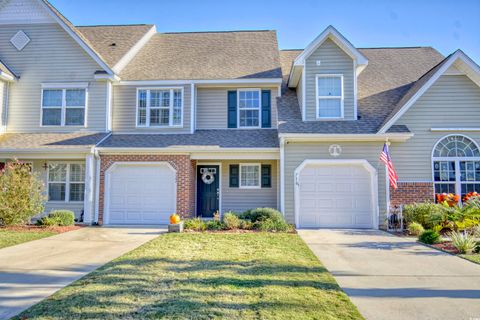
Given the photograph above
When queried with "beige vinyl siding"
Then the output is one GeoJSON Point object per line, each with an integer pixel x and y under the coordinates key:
{"type": "Point", "coordinates": [240, 200]}
{"type": "Point", "coordinates": [212, 107]}
{"type": "Point", "coordinates": [451, 102]}
{"type": "Point", "coordinates": [333, 61]}
{"type": "Point", "coordinates": [299, 90]}
{"type": "Point", "coordinates": [3, 109]}
{"type": "Point", "coordinates": [125, 110]}
{"type": "Point", "coordinates": [296, 153]}
{"type": "Point", "coordinates": [52, 56]}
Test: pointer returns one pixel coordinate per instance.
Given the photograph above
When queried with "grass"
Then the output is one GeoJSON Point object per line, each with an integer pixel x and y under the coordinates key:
{"type": "Point", "coordinates": [12, 237]}
{"type": "Point", "coordinates": [472, 257]}
{"type": "Point", "coordinates": [205, 276]}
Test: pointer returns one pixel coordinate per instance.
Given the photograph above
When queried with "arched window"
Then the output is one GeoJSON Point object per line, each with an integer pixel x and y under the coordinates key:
{"type": "Point", "coordinates": [456, 165]}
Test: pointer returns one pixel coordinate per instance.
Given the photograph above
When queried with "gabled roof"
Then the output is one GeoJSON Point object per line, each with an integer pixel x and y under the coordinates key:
{"type": "Point", "coordinates": [329, 33]}
{"type": "Point", "coordinates": [206, 56]}
{"type": "Point", "coordinates": [427, 80]}
{"type": "Point", "coordinates": [113, 42]}
{"type": "Point", "coordinates": [76, 35]}
{"type": "Point", "coordinates": [390, 73]}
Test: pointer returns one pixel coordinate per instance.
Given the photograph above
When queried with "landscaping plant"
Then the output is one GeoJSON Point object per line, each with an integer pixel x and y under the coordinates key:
{"type": "Point", "coordinates": [429, 237]}
{"type": "Point", "coordinates": [58, 218]}
{"type": "Point", "coordinates": [195, 224]}
{"type": "Point", "coordinates": [464, 242]}
{"type": "Point", "coordinates": [21, 194]}
{"type": "Point", "coordinates": [231, 221]}
{"type": "Point", "coordinates": [257, 214]}
{"type": "Point", "coordinates": [415, 228]}
{"type": "Point", "coordinates": [214, 225]}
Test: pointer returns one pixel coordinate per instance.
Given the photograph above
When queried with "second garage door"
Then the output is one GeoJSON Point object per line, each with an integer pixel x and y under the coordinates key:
{"type": "Point", "coordinates": [337, 195]}
{"type": "Point", "coordinates": [140, 194]}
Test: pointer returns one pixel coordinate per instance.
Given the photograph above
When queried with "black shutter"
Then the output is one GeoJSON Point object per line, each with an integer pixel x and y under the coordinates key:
{"type": "Point", "coordinates": [232, 109]}
{"type": "Point", "coordinates": [234, 175]}
{"type": "Point", "coordinates": [266, 109]}
{"type": "Point", "coordinates": [266, 176]}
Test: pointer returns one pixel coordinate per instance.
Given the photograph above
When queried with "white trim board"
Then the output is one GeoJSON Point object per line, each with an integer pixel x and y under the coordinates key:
{"type": "Point", "coordinates": [471, 69]}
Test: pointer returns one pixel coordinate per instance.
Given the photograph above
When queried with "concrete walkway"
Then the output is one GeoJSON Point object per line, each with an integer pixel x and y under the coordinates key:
{"type": "Point", "coordinates": [388, 277]}
{"type": "Point", "coordinates": [32, 271]}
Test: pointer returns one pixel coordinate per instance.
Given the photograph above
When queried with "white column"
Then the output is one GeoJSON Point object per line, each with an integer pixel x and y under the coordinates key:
{"type": "Point", "coordinates": [88, 204]}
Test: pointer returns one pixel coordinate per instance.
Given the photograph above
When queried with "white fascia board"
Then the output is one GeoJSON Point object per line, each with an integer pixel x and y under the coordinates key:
{"type": "Point", "coordinates": [471, 129]}
{"type": "Point", "coordinates": [6, 77]}
{"type": "Point", "coordinates": [273, 81]}
{"type": "Point", "coordinates": [82, 44]}
{"type": "Point", "coordinates": [44, 154]}
{"type": "Point", "coordinates": [339, 39]}
{"type": "Point", "coordinates": [64, 85]}
{"type": "Point", "coordinates": [474, 68]}
{"type": "Point", "coordinates": [312, 137]}
{"type": "Point", "coordinates": [183, 150]}
{"type": "Point", "coordinates": [122, 63]}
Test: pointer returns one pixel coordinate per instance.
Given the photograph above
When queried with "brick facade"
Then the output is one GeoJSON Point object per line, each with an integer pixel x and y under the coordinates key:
{"type": "Point", "coordinates": [185, 178]}
{"type": "Point", "coordinates": [410, 192]}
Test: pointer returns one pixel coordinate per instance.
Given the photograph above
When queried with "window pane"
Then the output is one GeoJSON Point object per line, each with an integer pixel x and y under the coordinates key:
{"type": "Point", "coordinates": [444, 188]}
{"type": "Point", "coordinates": [154, 117]}
{"type": "Point", "coordinates": [249, 99]}
{"type": "Point", "coordinates": [470, 170]}
{"type": "Point", "coordinates": [142, 98]}
{"type": "Point", "coordinates": [444, 170]}
{"type": "Point", "coordinates": [330, 86]}
{"type": "Point", "coordinates": [165, 98]}
{"type": "Point", "coordinates": [77, 191]}
{"type": "Point", "coordinates": [177, 98]}
{"type": "Point", "coordinates": [249, 118]}
{"type": "Point", "coordinates": [142, 116]}
{"type": "Point", "coordinates": [56, 191]}
{"type": "Point", "coordinates": [52, 98]}
{"type": "Point", "coordinates": [329, 108]}
{"type": "Point", "coordinates": [164, 116]}
{"type": "Point", "coordinates": [177, 107]}
{"type": "Point", "coordinates": [177, 116]}
{"type": "Point", "coordinates": [57, 172]}
{"type": "Point", "coordinates": [51, 117]}
{"type": "Point", "coordinates": [75, 97]}
{"type": "Point", "coordinates": [74, 116]}
{"type": "Point", "coordinates": [77, 172]}
{"type": "Point", "coordinates": [155, 98]}
{"type": "Point", "coordinates": [249, 176]}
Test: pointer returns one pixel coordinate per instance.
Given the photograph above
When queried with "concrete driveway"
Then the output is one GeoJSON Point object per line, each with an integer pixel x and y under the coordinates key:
{"type": "Point", "coordinates": [388, 277]}
{"type": "Point", "coordinates": [32, 271]}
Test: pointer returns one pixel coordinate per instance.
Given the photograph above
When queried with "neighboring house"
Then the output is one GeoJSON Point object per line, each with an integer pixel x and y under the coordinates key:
{"type": "Point", "coordinates": [129, 125]}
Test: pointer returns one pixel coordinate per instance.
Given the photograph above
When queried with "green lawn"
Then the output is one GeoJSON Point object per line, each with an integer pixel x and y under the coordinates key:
{"type": "Point", "coordinates": [12, 237]}
{"type": "Point", "coordinates": [472, 257]}
{"type": "Point", "coordinates": [205, 276]}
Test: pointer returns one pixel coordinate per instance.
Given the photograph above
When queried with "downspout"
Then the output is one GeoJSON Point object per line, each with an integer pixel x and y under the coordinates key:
{"type": "Point", "coordinates": [282, 175]}
{"type": "Point", "coordinates": [96, 156]}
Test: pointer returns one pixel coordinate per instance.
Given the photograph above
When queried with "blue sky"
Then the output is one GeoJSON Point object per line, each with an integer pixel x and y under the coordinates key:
{"type": "Point", "coordinates": [444, 24]}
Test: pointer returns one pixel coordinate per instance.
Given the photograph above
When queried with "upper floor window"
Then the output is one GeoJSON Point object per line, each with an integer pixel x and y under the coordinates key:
{"type": "Point", "coordinates": [63, 107]}
{"type": "Point", "coordinates": [329, 96]}
{"type": "Point", "coordinates": [249, 108]}
{"type": "Point", "coordinates": [159, 107]}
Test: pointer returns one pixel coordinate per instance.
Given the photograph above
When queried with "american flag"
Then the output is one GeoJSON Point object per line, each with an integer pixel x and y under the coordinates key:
{"type": "Point", "coordinates": [385, 158]}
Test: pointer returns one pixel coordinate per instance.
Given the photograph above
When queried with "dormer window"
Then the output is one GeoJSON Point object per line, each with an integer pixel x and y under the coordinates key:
{"type": "Point", "coordinates": [249, 108]}
{"type": "Point", "coordinates": [159, 107]}
{"type": "Point", "coordinates": [329, 89]}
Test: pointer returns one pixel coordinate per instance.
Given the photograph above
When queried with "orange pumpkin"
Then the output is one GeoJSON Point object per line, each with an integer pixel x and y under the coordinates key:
{"type": "Point", "coordinates": [174, 219]}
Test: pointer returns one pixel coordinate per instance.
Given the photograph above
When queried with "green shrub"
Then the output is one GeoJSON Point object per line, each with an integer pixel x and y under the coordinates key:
{"type": "Point", "coordinates": [427, 214]}
{"type": "Point", "coordinates": [214, 225]}
{"type": "Point", "coordinates": [257, 214]}
{"type": "Point", "coordinates": [47, 222]}
{"type": "Point", "coordinates": [464, 242]}
{"type": "Point", "coordinates": [195, 224]}
{"type": "Point", "coordinates": [273, 225]}
{"type": "Point", "coordinates": [231, 221]}
{"type": "Point", "coordinates": [21, 194]}
{"type": "Point", "coordinates": [477, 247]}
{"type": "Point", "coordinates": [415, 228]}
{"type": "Point", "coordinates": [63, 217]}
{"type": "Point", "coordinates": [429, 237]}
{"type": "Point", "coordinates": [246, 225]}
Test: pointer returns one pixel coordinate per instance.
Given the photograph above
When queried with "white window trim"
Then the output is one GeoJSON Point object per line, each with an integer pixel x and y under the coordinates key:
{"type": "Point", "coordinates": [317, 97]}
{"type": "Point", "coordinates": [64, 88]}
{"type": "Point", "coordinates": [259, 108]}
{"type": "Point", "coordinates": [170, 120]}
{"type": "Point", "coordinates": [67, 182]}
{"type": "Point", "coordinates": [456, 160]}
{"type": "Point", "coordinates": [241, 165]}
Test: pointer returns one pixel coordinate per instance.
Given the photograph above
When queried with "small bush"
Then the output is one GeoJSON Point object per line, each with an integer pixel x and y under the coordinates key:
{"type": "Point", "coordinates": [273, 225]}
{"type": "Point", "coordinates": [47, 222]}
{"type": "Point", "coordinates": [415, 228]}
{"type": "Point", "coordinates": [231, 221]}
{"type": "Point", "coordinates": [464, 242]}
{"type": "Point", "coordinates": [429, 237]}
{"type": "Point", "coordinates": [63, 217]}
{"type": "Point", "coordinates": [214, 225]}
{"type": "Point", "coordinates": [477, 247]}
{"type": "Point", "coordinates": [195, 224]}
{"type": "Point", "coordinates": [427, 214]}
{"type": "Point", "coordinates": [261, 214]}
{"type": "Point", "coordinates": [246, 225]}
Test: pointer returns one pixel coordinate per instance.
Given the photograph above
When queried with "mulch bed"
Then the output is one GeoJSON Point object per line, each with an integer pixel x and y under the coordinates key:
{"type": "Point", "coordinates": [34, 228]}
{"type": "Point", "coordinates": [446, 246]}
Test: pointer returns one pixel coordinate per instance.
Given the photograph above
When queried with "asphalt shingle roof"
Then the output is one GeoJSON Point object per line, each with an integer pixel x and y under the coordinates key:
{"type": "Point", "coordinates": [206, 56]}
{"type": "Point", "coordinates": [113, 42]}
{"type": "Point", "coordinates": [389, 76]}
{"type": "Point", "coordinates": [49, 141]}
{"type": "Point", "coordinates": [222, 138]}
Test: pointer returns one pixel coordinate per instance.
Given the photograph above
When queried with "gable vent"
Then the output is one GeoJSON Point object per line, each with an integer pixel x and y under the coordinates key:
{"type": "Point", "coordinates": [20, 40]}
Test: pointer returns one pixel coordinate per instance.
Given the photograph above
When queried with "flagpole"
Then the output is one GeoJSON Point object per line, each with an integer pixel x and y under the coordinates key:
{"type": "Point", "coordinates": [387, 185]}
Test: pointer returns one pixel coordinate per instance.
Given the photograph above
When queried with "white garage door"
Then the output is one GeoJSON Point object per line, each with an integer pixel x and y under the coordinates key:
{"type": "Point", "coordinates": [335, 196]}
{"type": "Point", "coordinates": [140, 194]}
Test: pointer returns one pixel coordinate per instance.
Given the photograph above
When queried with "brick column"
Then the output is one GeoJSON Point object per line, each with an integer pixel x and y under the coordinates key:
{"type": "Point", "coordinates": [185, 178]}
{"type": "Point", "coordinates": [410, 192]}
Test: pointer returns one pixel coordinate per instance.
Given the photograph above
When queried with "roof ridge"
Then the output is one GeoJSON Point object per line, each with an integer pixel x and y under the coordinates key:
{"type": "Point", "coordinates": [115, 25]}
{"type": "Point", "coordinates": [219, 31]}
{"type": "Point", "coordinates": [399, 47]}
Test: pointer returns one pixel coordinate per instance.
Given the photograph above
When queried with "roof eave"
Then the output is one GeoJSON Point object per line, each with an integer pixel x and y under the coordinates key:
{"type": "Point", "coordinates": [316, 137]}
